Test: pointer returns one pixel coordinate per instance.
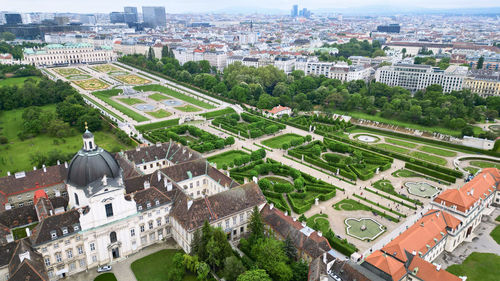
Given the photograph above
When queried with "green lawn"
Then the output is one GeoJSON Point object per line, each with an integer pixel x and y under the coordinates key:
{"type": "Point", "coordinates": [130, 101]}
{"type": "Point", "coordinates": [442, 130]}
{"type": "Point", "coordinates": [350, 205]}
{"type": "Point", "coordinates": [18, 81]}
{"type": "Point", "coordinates": [157, 125]}
{"type": "Point", "coordinates": [162, 113]}
{"type": "Point", "coordinates": [392, 148]}
{"type": "Point", "coordinates": [155, 267]}
{"type": "Point", "coordinates": [485, 164]}
{"type": "Point", "coordinates": [429, 158]}
{"type": "Point", "coordinates": [471, 170]}
{"type": "Point", "coordinates": [401, 143]}
{"type": "Point", "coordinates": [108, 276]}
{"type": "Point", "coordinates": [104, 108]}
{"type": "Point", "coordinates": [278, 141]}
{"type": "Point", "coordinates": [157, 97]}
{"type": "Point", "coordinates": [225, 157]}
{"type": "Point", "coordinates": [495, 234]}
{"type": "Point", "coordinates": [188, 108]}
{"type": "Point", "coordinates": [478, 267]}
{"type": "Point", "coordinates": [216, 113]}
{"type": "Point", "coordinates": [405, 174]}
{"type": "Point", "coordinates": [15, 156]}
{"type": "Point", "coordinates": [437, 151]}
{"type": "Point", "coordinates": [106, 97]}
{"type": "Point", "coordinates": [275, 180]}
{"type": "Point", "coordinates": [174, 94]}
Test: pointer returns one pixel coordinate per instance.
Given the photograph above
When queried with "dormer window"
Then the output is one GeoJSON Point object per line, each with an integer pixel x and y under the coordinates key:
{"type": "Point", "coordinates": [139, 208]}
{"type": "Point", "coordinates": [76, 228]}
{"type": "Point", "coordinates": [65, 230]}
{"type": "Point", "coordinates": [53, 234]}
{"type": "Point", "coordinates": [157, 202]}
{"type": "Point", "coordinates": [148, 205]}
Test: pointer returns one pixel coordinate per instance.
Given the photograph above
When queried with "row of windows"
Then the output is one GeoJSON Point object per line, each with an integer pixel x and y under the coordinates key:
{"type": "Point", "coordinates": [71, 267]}
{"type": "Point", "coordinates": [58, 257]}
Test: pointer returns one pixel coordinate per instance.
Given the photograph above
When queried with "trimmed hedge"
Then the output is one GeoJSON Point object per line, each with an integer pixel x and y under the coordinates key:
{"type": "Point", "coordinates": [298, 209]}
{"type": "Point", "coordinates": [430, 172]}
{"type": "Point", "coordinates": [157, 125]}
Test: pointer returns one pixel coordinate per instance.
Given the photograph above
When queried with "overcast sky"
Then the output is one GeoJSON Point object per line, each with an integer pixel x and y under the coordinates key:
{"type": "Point", "coordinates": [197, 6]}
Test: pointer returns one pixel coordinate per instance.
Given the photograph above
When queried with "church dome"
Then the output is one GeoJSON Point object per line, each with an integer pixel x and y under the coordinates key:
{"type": "Point", "coordinates": [91, 163]}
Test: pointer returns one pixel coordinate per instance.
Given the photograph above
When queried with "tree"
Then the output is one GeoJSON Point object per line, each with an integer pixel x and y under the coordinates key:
{"type": "Point", "coordinates": [7, 36]}
{"type": "Point", "coordinates": [151, 54]}
{"type": "Point", "coordinates": [300, 270]}
{"type": "Point", "coordinates": [264, 184]}
{"type": "Point", "coordinates": [256, 225]}
{"type": "Point", "coordinates": [232, 268]}
{"type": "Point", "coordinates": [269, 255]}
{"type": "Point", "coordinates": [468, 131]}
{"type": "Point", "coordinates": [480, 63]}
{"type": "Point", "coordinates": [202, 270]}
{"type": "Point", "coordinates": [299, 184]}
{"type": "Point", "coordinates": [254, 275]}
{"type": "Point", "coordinates": [289, 249]}
{"type": "Point", "coordinates": [403, 51]}
{"type": "Point", "coordinates": [196, 242]}
{"type": "Point", "coordinates": [229, 141]}
{"type": "Point", "coordinates": [59, 129]}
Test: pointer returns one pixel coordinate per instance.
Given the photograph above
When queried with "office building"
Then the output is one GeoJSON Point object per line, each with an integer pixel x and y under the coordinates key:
{"type": "Point", "coordinates": [416, 77]}
{"type": "Point", "coordinates": [13, 19]}
{"type": "Point", "coordinates": [295, 11]}
{"type": "Point", "coordinates": [117, 17]}
{"type": "Point", "coordinates": [391, 28]}
{"type": "Point", "coordinates": [131, 15]}
{"type": "Point", "coordinates": [154, 16]}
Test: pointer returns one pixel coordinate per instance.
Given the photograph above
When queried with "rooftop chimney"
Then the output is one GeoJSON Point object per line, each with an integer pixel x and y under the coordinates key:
{"type": "Point", "coordinates": [294, 218]}
{"type": "Point", "coordinates": [137, 148]}
{"type": "Point", "coordinates": [190, 202]}
{"type": "Point", "coordinates": [44, 168]}
{"type": "Point", "coordinates": [159, 175]}
{"type": "Point", "coordinates": [8, 173]}
{"type": "Point", "coordinates": [58, 162]}
{"type": "Point", "coordinates": [146, 185]}
{"type": "Point", "coordinates": [28, 232]}
{"type": "Point", "coordinates": [158, 144]}
{"type": "Point", "coordinates": [303, 224]}
{"type": "Point", "coordinates": [65, 164]}
{"type": "Point", "coordinates": [438, 267]}
{"type": "Point", "coordinates": [324, 257]}
{"type": "Point", "coordinates": [271, 206]}
{"type": "Point", "coordinates": [34, 168]}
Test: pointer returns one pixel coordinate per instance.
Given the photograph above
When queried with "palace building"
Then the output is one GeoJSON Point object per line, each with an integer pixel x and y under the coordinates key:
{"type": "Point", "coordinates": [115, 205]}
{"type": "Point", "coordinates": [71, 53]}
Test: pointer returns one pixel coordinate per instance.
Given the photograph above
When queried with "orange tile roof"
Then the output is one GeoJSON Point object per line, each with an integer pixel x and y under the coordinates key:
{"type": "Point", "coordinates": [388, 264]}
{"type": "Point", "coordinates": [478, 188]}
{"type": "Point", "coordinates": [423, 235]}
{"type": "Point", "coordinates": [427, 271]}
{"type": "Point", "coordinates": [277, 109]}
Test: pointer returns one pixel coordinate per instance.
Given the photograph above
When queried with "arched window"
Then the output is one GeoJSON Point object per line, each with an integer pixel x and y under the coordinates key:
{"type": "Point", "coordinates": [112, 237]}
{"type": "Point", "coordinates": [77, 202]}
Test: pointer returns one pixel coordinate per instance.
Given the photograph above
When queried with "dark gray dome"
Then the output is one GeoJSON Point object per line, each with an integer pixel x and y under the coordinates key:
{"type": "Point", "coordinates": [88, 135]}
{"type": "Point", "coordinates": [89, 166]}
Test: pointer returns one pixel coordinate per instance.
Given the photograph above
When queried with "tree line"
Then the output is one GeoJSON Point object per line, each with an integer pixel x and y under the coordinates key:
{"type": "Point", "coordinates": [266, 87]}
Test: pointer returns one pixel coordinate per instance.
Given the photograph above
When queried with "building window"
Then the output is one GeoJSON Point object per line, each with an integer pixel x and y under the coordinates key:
{"type": "Point", "coordinates": [227, 223]}
{"type": "Point", "coordinates": [79, 249]}
{"type": "Point", "coordinates": [69, 253]}
{"type": "Point", "coordinates": [112, 237]}
{"type": "Point", "coordinates": [47, 261]}
{"type": "Point", "coordinates": [150, 224]}
{"type": "Point", "coordinates": [94, 259]}
{"type": "Point", "coordinates": [109, 210]}
{"type": "Point", "coordinates": [132, 232]}
{"type": "Point", "coordinates": [158, 221]}
{"type": "Point", "coordinates": [234, 220]}
{"type": "Point", "coordinates": [241, 218]}
{"type": "Point", "coordinates": [142, 228]}
{"type": "Point", "coordinates": [58, 257]}
{"type": "Point", "coordinates": [77, 202]}
{"type": "Point", "coordinates": [167, 219]}
{"type": "Point", "coordinates": [92, 246]}
{"type": "Point", "coordinates": [56, 245]}
{"type": "Point", "coordinates": [82, 263]}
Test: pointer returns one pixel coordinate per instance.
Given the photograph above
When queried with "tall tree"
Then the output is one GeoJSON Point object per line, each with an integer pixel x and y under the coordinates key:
{"type": "Point", "coordinates": [254, 275]}
{"type": "Point", "coordinates": [256, 225]}
{"type": "Point", "coordinates": [289, 249]}
{"type": "Point", "coordinates": [480, 63]}
{"type": "Point", "coordinates": [151, 54]}
{"type": "Point", "coordinates": [232, 268]}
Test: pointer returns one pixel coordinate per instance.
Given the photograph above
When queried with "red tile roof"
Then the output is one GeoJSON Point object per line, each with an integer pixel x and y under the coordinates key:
{"type": "Point", "coordinates": [387, 264]}
{"type": "Point", "coordinates": [277, 109]}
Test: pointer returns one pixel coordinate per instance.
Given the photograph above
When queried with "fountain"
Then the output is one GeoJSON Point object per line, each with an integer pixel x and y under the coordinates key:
{"type": "Point", "coordinates": [363, 227]}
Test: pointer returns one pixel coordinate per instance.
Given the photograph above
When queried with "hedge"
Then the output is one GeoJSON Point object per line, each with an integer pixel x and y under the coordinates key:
{"type": "Point", "coordinates": [361, 175]}
{"type": "Point", "coordinates": [430, 172]}
{"type": "Point", "coordinates": [340, 245]}
{"type": "Point", "coordinates": [390, 198]}
{"type": "Point", "coordinates": [298, 209]}
{"type": "Point", "coordinates": [277, 199]}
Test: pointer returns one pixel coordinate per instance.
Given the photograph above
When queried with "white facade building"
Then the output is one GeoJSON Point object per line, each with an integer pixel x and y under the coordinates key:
{"type": "Point", "coordinates": [57, 54]}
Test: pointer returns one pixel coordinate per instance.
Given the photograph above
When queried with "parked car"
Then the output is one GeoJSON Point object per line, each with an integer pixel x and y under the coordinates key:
{"type": "Point", "coordinates": [104, 268]}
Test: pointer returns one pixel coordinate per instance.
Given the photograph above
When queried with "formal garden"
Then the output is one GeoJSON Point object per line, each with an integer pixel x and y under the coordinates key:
{"type": "Point", "coordinates": [91, 84]}
{"type": "Point", "coordinates": [217, 113]}
{"type": "Point", "coordinates": [78, 77]}
{"type": "Point", "coordinates": [342, 159]}
{"type": "Point", "coordinates": [247, 125]}
{"type": "Point", "coordinates": [131, 79]}
{"type": "Point", "coordinates": [199, 101]}
{"type": "Point", "coordinates": [161, 113]}
{"type": "Point", "coordinates": [67, 71]}
{"type": "Point", "coordinates": [364, 228]}
{"type": "Point", "coordinates": [362, 204]}
{"type": "Point", "coordinates": [367, 138]}
{"type": "Point", "coordinates": [321, 123]}
{"type": "Point", "coordinates": [286, 187]}
{"type": "Point", "coordinates": [194, 137]}
{"type": "Point", "coordinates": [106, 96]}
{"type": "Point", "coordinates": [188, 108]}
{"type": "Point", "coordinates": [105, 68]}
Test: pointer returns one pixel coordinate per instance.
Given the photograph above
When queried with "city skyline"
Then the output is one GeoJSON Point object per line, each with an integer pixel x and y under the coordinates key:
{"type": "Point", "coordinates": [277, 6]}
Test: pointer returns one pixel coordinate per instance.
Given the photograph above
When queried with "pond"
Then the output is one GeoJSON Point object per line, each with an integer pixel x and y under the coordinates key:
{"type": "Point", "coordinates": [145, 107]}
{"type": "Point", "coordinates": [173, 102]}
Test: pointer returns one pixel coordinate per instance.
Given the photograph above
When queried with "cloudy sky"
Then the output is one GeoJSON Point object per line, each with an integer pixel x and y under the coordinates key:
{"type": "Point", "coordinates": [197, 6]}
